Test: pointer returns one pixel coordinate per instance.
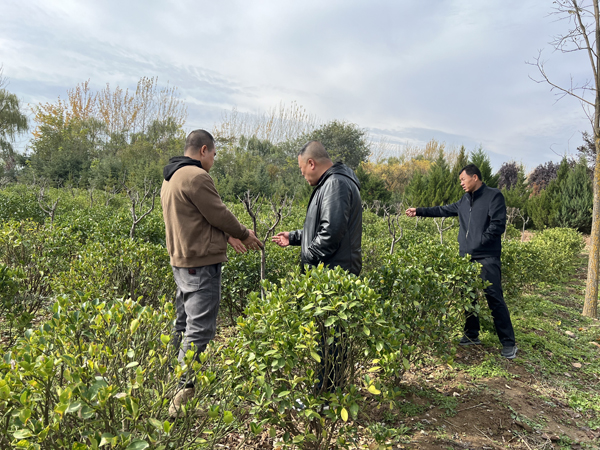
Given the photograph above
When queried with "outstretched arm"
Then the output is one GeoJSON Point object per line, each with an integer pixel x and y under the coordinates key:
{"type": "Point", "coordinates": [435, 211]}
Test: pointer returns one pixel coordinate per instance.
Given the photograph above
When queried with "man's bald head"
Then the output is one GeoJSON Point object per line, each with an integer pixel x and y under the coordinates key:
{"type": "Point", "coordinates": [314, 150]}
{"type": "Point", "coordinates": [313, 161]}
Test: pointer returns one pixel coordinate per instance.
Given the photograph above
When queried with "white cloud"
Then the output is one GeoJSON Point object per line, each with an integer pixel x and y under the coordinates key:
{"type": "Point", "coordinates": [447, 69]}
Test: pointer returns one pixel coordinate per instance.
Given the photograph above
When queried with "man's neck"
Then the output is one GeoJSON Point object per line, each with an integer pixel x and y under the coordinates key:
{"type": "Point", "coordinates": [477, 187]}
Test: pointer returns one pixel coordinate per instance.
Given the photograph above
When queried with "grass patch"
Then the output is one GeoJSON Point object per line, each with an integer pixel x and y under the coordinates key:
{"type": "Point", "coordinates": [490, 367]}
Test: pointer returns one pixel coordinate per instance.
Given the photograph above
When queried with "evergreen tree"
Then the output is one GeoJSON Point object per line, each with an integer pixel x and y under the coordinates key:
{"type": "Point", "coordinates": [576, 199]}
{"type": "Point", "coordinates": [437, 186]}
{"type": "Point", "coordinates": [544, 207]}
{"type": "Point", "coordinates": [461, 161]}
{"type": "Point", "coordinates": [372, 187]}
{"type": "Point", "coordinates": [416, 190]}
{"type": "Point", "coordinates": [482, 161]}
{"type": "Point", "coordinates": [516, 192]}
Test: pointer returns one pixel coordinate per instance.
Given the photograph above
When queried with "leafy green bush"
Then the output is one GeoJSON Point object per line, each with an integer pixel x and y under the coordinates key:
{"type": "Point", "coordinates": [280, 354]}
{"type": "Point", "coordinates": [560, 246]}
{"type": "Point", "coordinates": [241, 275]}
{"type": "Point", "coordinates": [14, 318]}
{"type": "Point", "coordinates": [425, 299]}
{"type": "Point", "coordinates": [97, 374]}
{"type": "Point", "coordinates": [119, 267]}
{"type": "Point", "coordinates": [373, 331]}
{"type": "Point", "coordinates": [18, 202]}
{"type": "Point", "coordinates": [31, 254]}
{"type": "Point", "coordinates": [549, 255]}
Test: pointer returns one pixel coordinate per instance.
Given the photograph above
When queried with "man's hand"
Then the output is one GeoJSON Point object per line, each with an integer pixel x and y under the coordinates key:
{"type": "Point", "coordinates": [237, 245]}
{"type": "Point", "coordinates": [411, 212]}
{"type": "Point", "coordinates": [282, 239]}
{"type": "Point", "coordinates": [252, 242]}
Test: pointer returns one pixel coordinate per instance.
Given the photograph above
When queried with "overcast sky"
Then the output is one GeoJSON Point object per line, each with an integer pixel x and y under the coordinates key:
{"type": "Point", "coordinates": [453, 70]}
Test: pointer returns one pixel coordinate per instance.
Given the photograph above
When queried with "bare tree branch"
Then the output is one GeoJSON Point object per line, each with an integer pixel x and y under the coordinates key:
{"type": "Point", "coordinates": [440, 226]}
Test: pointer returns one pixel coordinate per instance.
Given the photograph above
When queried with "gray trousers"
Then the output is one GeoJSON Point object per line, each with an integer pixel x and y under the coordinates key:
{"type": "Point", "coordinates": [196, 307]}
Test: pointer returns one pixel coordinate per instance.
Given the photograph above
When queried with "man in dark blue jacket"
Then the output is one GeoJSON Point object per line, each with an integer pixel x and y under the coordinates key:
{"type": "Point", "coordinates": [482, 216]}
{"type": "Point", "coordinates": [332, 230]}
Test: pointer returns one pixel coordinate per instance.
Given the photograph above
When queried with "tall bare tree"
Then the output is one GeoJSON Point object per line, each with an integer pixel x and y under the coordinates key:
{"type": "Point", "coordinates": [583, 35]}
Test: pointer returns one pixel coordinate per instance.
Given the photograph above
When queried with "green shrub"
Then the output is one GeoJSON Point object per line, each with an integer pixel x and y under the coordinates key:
{"type": "Point", "coordinates": [97, 374]}
{"type": "Point", "coordinates": [562, 245]}
{"type": "Point", "coordinates": [241, 275]}
{"type": "Point", "coordinates": [424, 291]}
{"type": "Point", "coordinates": [550, 255]}
{"type": "Point", "coordinates": [120, 267]}
{"type": "Point", "coordinates": [403, 315]}
{"type": "Point", "coordinates": [32, 255]}
{"type": "Point", "coordinates": [279, 353]}
{"type": "Point", "coordinates": [19, 202]}
{"type": "Point", "coordinates": [14, 317]}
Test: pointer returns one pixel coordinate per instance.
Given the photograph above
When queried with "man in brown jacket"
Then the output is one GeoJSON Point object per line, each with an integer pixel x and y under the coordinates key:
{"type": "Point", "coordinates": [198, 227]}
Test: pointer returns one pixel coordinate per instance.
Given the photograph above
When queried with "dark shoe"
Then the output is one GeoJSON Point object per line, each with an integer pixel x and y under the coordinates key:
{"type": "Point", "coordinates": [509, 351]}
{"type": "Point", "coordinates": [464, 341]}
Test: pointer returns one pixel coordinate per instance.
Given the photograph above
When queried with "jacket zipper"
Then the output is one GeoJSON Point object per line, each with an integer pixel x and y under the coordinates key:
{"type": "Point", "coordinates": [470, 209]}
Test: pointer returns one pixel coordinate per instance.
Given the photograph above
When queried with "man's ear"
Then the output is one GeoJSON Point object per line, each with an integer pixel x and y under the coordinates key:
{"type": "Point", "coordinates": [311, 163]}
{"type": "Point", "coordinates": [203, 150]}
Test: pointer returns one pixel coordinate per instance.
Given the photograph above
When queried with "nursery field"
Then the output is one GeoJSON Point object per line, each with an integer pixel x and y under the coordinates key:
{"type": "Point", "coordinates": [86, 312]}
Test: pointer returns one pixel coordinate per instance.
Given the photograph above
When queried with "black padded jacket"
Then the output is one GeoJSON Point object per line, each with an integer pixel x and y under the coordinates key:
{"type": "Point", "coordinates": [482, 218]}
{"type": "Point", "coordinates": [332, 230]}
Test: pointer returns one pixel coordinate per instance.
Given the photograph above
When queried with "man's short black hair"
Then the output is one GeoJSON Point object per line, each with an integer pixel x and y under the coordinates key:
{"type": "Point", "coordinates": [196, 139]}
{"type": "Point", "coordinates": [471, 169]}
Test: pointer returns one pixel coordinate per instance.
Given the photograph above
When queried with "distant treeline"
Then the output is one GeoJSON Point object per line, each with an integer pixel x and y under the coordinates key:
{"type": "Point", "coordinates": [111, 138]}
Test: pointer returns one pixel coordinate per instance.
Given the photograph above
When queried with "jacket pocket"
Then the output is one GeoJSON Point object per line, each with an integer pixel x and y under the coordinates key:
{"type": "Point", "coordinates": [218, 243]}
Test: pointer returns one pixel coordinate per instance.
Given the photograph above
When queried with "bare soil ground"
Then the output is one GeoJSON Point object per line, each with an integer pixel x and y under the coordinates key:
{"type": "Point", "coordinates": [495, 413]}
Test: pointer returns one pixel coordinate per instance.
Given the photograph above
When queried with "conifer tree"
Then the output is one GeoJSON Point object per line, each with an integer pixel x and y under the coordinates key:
{"type": "Point", "coordinates": [544, 208]}
{"type": "Point", "coordinates": [461, 161]}
{"type": "Point", "coordinates": [416, 190]}
{"type": "Point", "coordinates": [576, 199]}
{"type": "Point", "coordinates": [482, 161]}
{"type": "Point", "coordinates": [439, 183]}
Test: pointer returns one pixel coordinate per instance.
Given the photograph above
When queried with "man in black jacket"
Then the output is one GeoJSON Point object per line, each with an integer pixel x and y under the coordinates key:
{"type": "Point", "coordinates": [482, 216]}
{"type": "Point", "coordinates": [332, 230]}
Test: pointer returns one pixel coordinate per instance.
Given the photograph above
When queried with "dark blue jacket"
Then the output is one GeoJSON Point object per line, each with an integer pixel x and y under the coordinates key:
{"type": "Point", "coordinates": [332, 230]}
{"type": "Point", "coordinates": [482, 217]}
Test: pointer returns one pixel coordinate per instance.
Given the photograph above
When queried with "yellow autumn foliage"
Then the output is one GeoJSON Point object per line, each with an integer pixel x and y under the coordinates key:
{"type": "Point", "coordinates": [397, 171]}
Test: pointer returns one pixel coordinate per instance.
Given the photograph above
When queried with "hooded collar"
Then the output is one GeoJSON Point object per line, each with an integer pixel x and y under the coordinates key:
{"type": "Point", "coordinates": [176, 163]}
{"type": "Point", "coordinates": [339, 168]}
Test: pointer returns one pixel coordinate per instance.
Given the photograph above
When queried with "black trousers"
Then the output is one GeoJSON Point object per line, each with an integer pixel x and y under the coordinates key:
{"type": "Point", "coordinates": [491, 271]}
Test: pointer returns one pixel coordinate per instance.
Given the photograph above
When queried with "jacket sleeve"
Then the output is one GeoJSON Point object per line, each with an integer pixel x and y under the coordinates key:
{"type": "Point", "coordinates": [440, 211]}
{"type": "Point", "coordinates": [497, 214]}
{"type": "Point", "coordinates": [296, 237]}
{"type": "Point", "coordinates": [333, 225]}
{"type": "Point", "coordinates": [203, 194]}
